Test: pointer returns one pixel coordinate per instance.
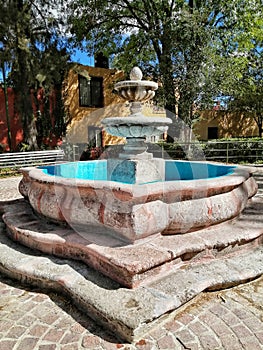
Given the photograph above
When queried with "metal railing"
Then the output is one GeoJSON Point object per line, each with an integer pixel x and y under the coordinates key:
{"type": "Point", "coordinates": [235, 151]}
{"type": "Point", "coordinates": [229, 151]}
{"type": "Point", "coordinates": [24, 159]}
{"type": "Point", "coordinates": [232, 151]}
{"type": "Point", "coordinates": [250, 151]}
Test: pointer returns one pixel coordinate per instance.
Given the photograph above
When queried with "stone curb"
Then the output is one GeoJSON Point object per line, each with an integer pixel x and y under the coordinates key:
{"type": "Point", "coordinates": [141, 263]}
{"type": "Point", "coordinates": [129, 313]}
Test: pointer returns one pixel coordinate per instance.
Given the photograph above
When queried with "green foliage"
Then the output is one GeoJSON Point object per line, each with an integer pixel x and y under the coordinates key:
{"type": "Point", "coordinates": [248, 95]}
{"type": "Point", "coordinates": [9, 172]}
{"type": "Point", "coordinates": [236, 150]}
{"type": "Point", "coordinates": [197, 49]}
{"type": "Point", "coordinates": [37, 57]}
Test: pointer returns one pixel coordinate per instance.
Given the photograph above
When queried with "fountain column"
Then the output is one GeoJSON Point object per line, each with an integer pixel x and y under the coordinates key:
{"type": "Point", "coordinates": [135, 165]}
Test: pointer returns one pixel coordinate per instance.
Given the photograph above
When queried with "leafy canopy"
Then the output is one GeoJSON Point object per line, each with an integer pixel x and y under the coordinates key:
{"type": "Point", "coordinates": [34, 50]}
{"type": "Point", "coordinates": [197, 48]}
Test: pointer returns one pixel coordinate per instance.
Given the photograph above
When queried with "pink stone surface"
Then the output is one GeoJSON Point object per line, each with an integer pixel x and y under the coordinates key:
{"type": "Point", "coordinates": [133, 212]}
{"type": "Point", "coordinates": [147, 259]}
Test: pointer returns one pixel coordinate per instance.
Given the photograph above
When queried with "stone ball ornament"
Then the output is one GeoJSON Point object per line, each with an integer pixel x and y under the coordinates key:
{"type": "Point", "coordinates": [136, 74]}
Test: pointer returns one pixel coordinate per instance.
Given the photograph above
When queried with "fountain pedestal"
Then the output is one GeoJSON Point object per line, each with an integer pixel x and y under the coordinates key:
{"type": "Point", "coordinates": [135, 165]}
{"type": "Point", "coordinates": [137, 170]}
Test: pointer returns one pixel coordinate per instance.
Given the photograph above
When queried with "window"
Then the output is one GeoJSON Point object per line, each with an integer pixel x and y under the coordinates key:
{"type": "Point", "coordinates": [90, 92]}
{"type": "Point", "coordinates": [212, 132]}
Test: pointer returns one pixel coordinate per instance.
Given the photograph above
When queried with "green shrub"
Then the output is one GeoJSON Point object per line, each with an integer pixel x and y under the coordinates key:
{"type": "Point", "coordinates": [237, 150]}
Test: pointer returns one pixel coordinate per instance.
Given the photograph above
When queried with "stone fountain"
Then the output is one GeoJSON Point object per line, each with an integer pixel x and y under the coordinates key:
{"type": "Point", "coordinates": [144, 236]}
{"type": "Point", "coordinates": [136, 195]}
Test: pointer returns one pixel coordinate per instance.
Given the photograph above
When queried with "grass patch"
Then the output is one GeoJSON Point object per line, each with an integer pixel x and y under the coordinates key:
{"type": "Point", "coordinates": [9, 172]}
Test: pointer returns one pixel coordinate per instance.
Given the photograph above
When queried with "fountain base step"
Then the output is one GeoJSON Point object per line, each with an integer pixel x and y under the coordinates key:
{"type": "Point", "coordinates": [165, 271]}
{"type": "Point", "coordinates": [145, 261]}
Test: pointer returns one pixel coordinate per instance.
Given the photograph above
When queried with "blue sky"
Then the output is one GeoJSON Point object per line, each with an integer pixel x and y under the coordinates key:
{"type": "Point", "coordinates": [83, 58]}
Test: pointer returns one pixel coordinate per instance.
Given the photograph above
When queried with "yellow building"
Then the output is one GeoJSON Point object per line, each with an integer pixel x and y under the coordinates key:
{"type": "Point", "coordinates": [217, 124]}
{"type": "Point", "coordinates": [89, 98]}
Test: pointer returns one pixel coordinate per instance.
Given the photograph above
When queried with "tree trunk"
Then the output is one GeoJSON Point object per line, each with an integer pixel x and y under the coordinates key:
{"type": "Point", "coordinates": [9, 135]}
{"type": "Point", "coordinates": [166, 72]}
{"type": "Point", "coordinates": [22, 88]}
{"type": "Point", "coordinates": [260, 127]}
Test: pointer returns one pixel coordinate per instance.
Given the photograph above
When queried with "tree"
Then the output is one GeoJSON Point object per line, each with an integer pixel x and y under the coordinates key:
{"type": "Point", "coordinates": [31, 42]}
{"type": "Point", "coordinates": [248, 97]}
{"type": "Point", "coordinates": [9, 134]}
{"type": "Point", "coordinates": [180, 38]}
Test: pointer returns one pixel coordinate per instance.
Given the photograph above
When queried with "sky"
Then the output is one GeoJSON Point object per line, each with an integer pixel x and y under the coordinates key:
{"type": "Point", "coordinates": [83, 58]}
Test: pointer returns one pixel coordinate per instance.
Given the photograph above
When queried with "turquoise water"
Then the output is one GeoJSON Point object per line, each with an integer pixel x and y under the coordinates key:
{"type": "Point", "coordinates": [91, 170]}
{"type": "Point", "coordinates": [174, 170]}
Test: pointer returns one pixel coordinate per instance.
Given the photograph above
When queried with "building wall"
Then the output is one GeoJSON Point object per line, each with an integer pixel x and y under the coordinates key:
{"type": "Point", "coordinates": [228, 124]}
{"type": "Point", "coordinates": [80, 118]}
{"type": "Point", "coordinates": [14, 120]}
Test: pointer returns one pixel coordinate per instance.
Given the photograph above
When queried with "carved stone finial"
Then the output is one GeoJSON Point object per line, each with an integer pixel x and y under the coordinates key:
{"type": "Point", "coordinates": [136, 74]}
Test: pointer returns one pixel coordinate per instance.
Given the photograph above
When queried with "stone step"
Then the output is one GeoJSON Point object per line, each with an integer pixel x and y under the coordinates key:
{"type": "Point", "coordinates": [146, 260]}
{"type": "Point", "coordinates": [165, 272]}
{"type": "Point", "coordinates": [130, 313]}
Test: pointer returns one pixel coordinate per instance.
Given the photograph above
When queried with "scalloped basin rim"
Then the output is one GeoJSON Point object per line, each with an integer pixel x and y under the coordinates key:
{"type": "Point", "coordinates": [132, 212]}
{"type": "Point", "coordinates": [230, 180]}
{"type": "Point", "coordinates": [137, 120]}
{"type": "Point", "coordinates": [136, 83]}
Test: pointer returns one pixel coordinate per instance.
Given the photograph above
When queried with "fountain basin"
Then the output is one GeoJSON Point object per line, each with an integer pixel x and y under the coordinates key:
{"type": "Point", "coordinates": [136, 90]}
{"type": "Point", "coordinates": [194, 195]}
{"type": "Point", "coordinates": [136, 126]}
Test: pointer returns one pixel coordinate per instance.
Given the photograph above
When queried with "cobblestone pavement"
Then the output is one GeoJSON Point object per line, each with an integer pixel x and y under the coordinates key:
{"type": "Point", "coordinates": [31, 319]}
